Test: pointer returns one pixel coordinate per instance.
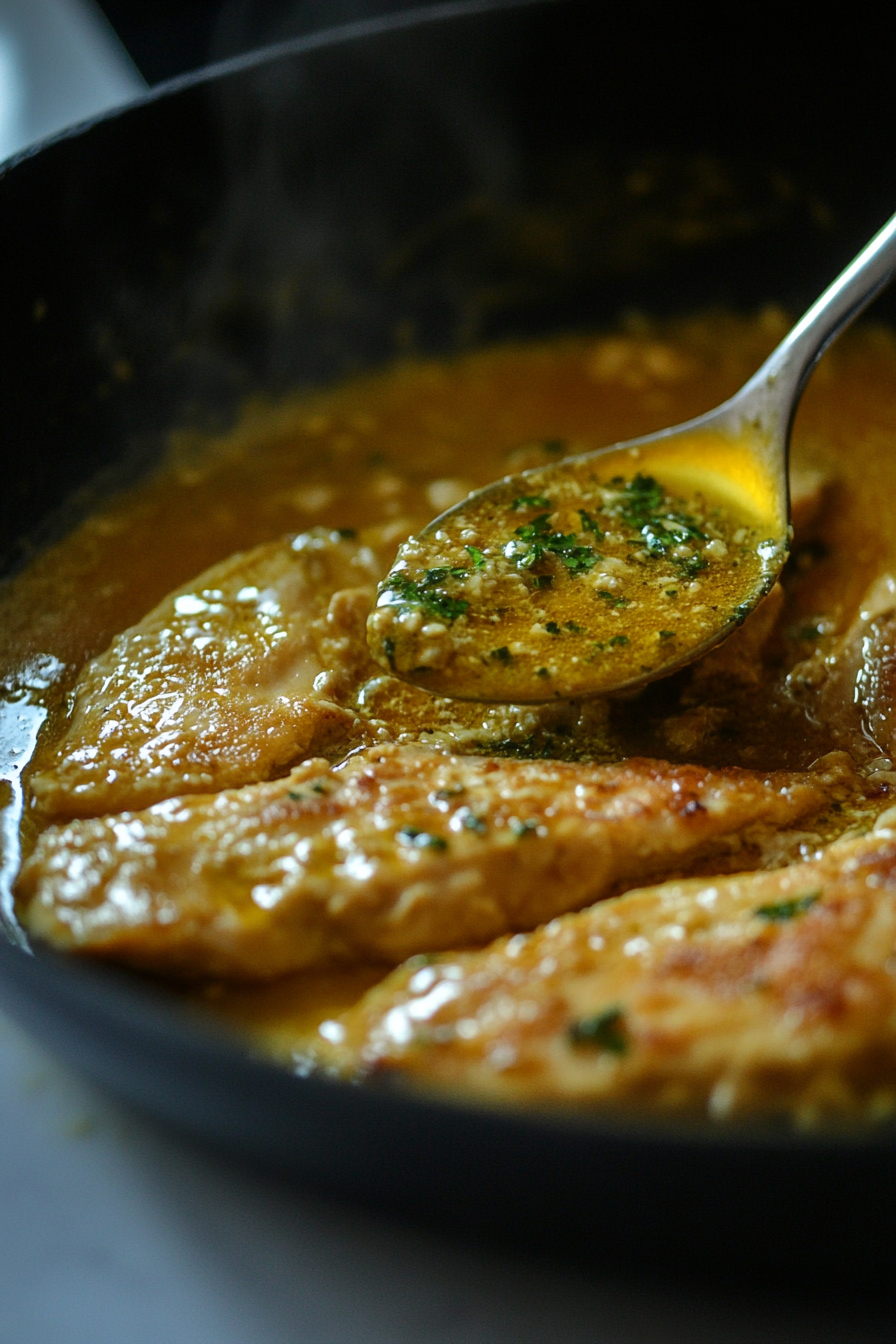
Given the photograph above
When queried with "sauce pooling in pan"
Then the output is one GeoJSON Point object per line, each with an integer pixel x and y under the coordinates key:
{"type": "Point", "coordinates": [237, 680]}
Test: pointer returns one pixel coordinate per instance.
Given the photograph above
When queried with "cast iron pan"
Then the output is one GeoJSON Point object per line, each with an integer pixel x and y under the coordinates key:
{"type": "Point", "coordinates": [444, 179]}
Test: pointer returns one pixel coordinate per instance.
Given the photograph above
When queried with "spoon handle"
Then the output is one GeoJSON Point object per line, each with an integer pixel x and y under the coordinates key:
{"type": "Point", "coordinates": [785, 372]}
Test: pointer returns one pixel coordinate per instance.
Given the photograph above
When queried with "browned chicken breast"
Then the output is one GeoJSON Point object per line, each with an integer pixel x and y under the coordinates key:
{"type": "Point", "coordinates": [221, 684]}
{"type": "Point", "coordinates": [768, 991]}
{"type": "Point", "coordinates": [400, 850]}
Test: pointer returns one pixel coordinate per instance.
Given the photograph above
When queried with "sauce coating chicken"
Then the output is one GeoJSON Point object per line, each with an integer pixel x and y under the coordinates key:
{"type": "Point", "coordinates": [248, 882]}
{"type": "Point", "coordinates": [398, 851]}
{"type": "Point", "coordinates": [765, 991]}
{"type": "Point", "coordinates": [219, 685]}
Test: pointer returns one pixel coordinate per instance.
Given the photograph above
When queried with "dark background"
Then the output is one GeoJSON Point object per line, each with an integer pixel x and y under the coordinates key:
{"type": "Point", "coordinates": [167, 37]}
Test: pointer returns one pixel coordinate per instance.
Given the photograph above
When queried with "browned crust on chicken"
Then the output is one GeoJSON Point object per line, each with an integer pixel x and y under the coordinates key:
{"type": "Point", "coordinates": [222, 684]}
{"type": "Point", "coordinates": [398, 851]}
{"type": "Point", "coordinates": [773, 991]}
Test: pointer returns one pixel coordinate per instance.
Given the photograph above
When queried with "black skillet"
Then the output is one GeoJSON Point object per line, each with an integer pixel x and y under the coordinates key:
{"type": "Point", "coordinates": [439, 179]}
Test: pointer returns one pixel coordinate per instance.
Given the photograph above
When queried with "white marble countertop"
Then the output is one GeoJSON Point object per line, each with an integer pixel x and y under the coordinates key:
{"type": "Point", "coordinates": [112, 1230]}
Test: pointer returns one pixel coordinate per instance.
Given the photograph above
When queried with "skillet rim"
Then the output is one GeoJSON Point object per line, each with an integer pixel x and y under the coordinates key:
{"type": "Point", "coordinates": [121, 1003]}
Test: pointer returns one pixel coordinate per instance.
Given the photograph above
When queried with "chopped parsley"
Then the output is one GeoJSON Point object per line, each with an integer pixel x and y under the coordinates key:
{"type": "Point", "coordinates": [409, 835]}
{"type": "Point", "coordinates": [645, 507]}
{"type": "Point", "coordinates": [552, 627]}
{"type": "Point", "coordinates": [542, 541]}
{"type": "Point", "coordinates": [612, 598]}
{"type": "Point", "coordinates": [347, 533]}
{"type": "Point", "coordinates": [617, 641]}
{"type": "Point", "coordinates": [430, 598]}
{"type": "Point", "coordinates": [602, 1031]}
{"type": "Point", "coordinates": [473, 823]}
{"type": "Point", "coordinates": [691, 565]}
{"type": "Point", "coordinates": [522, 828]}
{"type": "Point", "coordinates": [667, 634]}
{"type": "Point", "coordinates": [779, 911]}
{"type": "Point", "coordinates": [531, 502]}
{"type": "Point", "coordinates": [440, 574]}
{"type": "Point", "coordinates": [476, 556]}
{"type": "Point", "coordinates": [503, 654]}
{"type": "Point", "coordinates": [542, 672]}
{"type": "Point", "coordinates": [589, 525]}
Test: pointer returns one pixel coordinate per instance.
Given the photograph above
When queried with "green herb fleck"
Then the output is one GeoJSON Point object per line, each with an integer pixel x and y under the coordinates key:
{"type": "Point", "coordinates": [690, 566]}
{"type": "Point", "coordinates": [440, 574]}
{"type": "Point", "coordinates": [503, 654]}
{"type": "Point", "coordinates": [389, 651]}
{"type": "Point", "coordinates": [612, 598]}
{"type": "Point", "coordinates": [476, 556]}
{"type": "Point", "coordinates": [542, 541]}
{"type": "Point", "coordinates": [553, 445]}
{"type": "Point", "coordinates": [552, 628]}
{"type": "Point", "coordinates": [473, 823]}
{"type": "Point", "coordinates": [409, 835]}
{"type": "Point", "coordinates": [617, 641]}
{"type": "Point", "coordinates": [667, 634]}
{"type": "Point", "coordinates": [589, 525]}
{"type": "Point", "coordinates": [347, 533]}
{"type": "Point", "coordinates": [434, 601]}
{"type": "Point", "coordinates": [671, 592]}
{"type": "Point", "coordinates": [453, 791]}
{"type": "Point", "coordinates": [602, 1031]}
{"type": "Point", "coordinates": [531, 502]}
{"type": "Point", "coordinates": [779, 911]}
{"type": "Point", "coordinates": [543, 580]}
{"type": "Point", "coordinates": [296, 797]}
{"type": "Point", "coordinates": [319, 787]}
{"type": "Point", "coordinates": [522, 828]}
{"type": "Point", "coordinates": [542, 672]}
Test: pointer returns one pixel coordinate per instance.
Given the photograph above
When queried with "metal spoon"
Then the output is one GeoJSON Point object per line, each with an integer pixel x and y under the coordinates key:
{"type": "Point", "coordinates": [498, 600]}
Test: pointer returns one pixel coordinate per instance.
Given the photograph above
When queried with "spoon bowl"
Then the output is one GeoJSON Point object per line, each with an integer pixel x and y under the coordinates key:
{"type": "Point", "coordinates": [609, 569]}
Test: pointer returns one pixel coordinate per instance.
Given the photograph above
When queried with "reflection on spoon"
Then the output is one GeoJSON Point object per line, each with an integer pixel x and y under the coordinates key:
{"type": "Point", "coordinates": [614, 568]}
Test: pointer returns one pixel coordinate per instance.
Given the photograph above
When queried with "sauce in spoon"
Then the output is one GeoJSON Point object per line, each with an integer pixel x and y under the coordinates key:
{"type": "Point", "coordinates": [584, 577]}
{"type": "Point", "coordinates": [616, 567]}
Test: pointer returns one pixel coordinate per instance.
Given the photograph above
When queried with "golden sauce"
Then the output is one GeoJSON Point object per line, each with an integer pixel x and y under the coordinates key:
{"type": "Point", "coordinates": [575, 580]}
{"type": "Point", "coordinates": [395, 448]}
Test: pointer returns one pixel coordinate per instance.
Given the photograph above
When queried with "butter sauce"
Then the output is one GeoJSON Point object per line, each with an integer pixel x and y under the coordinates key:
{"type": "Point", "coordinates": [394, 448]}
{"type": "Point", "coordinates": [580, 579]}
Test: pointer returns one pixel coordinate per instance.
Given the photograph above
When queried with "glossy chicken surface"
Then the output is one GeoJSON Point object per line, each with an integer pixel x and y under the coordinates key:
{"type": "Point", "coordinates": [773, 991]}
{"type": "Point", "coordinates": [399, 851]}
{"type": "Point", "coordinates": [171, 818]}
{"type": "Point", "coordinates": [219, 685]}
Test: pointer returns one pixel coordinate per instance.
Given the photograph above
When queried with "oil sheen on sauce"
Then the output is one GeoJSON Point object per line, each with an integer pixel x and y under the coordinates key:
{"type": "Point", "coordinates": [395, 448]}
{"type": "Point", "coordinates": [577, 580]}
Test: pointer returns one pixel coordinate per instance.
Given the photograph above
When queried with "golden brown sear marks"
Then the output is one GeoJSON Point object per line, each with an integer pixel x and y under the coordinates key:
{"type": "Point", "coordinates": [222, 684]}
{"type": "Point", "coordinates": [398, 851]}
{"type": "Point", "coordinates": [773, 991]}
